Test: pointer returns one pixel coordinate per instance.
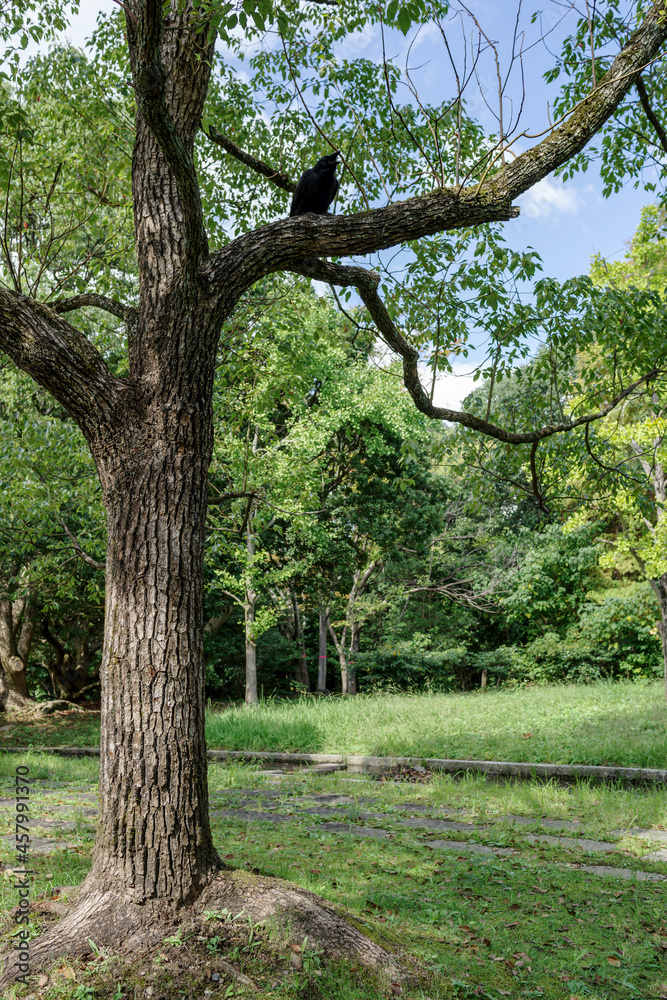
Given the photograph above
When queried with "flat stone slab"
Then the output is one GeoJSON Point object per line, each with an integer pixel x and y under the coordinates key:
{"type": "Point", "coordinates": [547, 824]}
{"type": "Point", "coordinates": [629, 873]}
{"type": "Point", "coordinates": [269, 793]}
{"type": "Point", "coordinates": [355, 831]}
{"type": "Point", "coordinates": [337, 800]}
{"type": "Point", "coordinates": [467, 846]}
{"type": "Point", "coordinates": [657, 835]}
{"type": "Point", "coordinates": [593, 846]}
{"type": "Point", "coordinates": [423, 823]}
{"type": "Point", "coordinates": [251, 816]}
{"type": "Point", "coordinates": [660, 855]}
{"type": "Point", "coordinates": [421, 807]}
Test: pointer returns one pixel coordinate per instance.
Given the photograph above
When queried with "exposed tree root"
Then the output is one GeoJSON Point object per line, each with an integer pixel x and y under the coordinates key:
{"type": "Point", "coordinates": [122, 926]}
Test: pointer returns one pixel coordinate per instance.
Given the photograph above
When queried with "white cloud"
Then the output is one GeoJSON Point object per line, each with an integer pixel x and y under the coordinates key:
{"type": "Point", "coordinates": [548, 196]}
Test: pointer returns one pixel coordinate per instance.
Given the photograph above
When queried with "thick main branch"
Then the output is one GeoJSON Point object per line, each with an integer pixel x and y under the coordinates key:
{"type": "Point", "coordinates": [60, 358]}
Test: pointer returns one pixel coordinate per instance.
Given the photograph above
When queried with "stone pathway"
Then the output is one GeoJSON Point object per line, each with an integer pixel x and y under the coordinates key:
{"type": "Point", "coordinates": [345, 815]}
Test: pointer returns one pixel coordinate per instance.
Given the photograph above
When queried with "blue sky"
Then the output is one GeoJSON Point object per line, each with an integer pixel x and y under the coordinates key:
{"type": "Point", "coordinates": [565, 223]}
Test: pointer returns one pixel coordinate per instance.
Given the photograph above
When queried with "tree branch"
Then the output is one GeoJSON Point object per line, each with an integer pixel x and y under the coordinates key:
{"type": "Point", "coordinates": [366, 283]}
{"type": "Point", "coordinates": [126, 313]}
{"type": "Point", "coordinates": [275, 176]}
{"type": "Point", "coordinates": [60, 358]}
{"type": "Point", "coordinates": [650, 113]}
{"type": "Point", "coordinates": [76, 544]}
{"type": "Point", "coordinates": [278, 246]}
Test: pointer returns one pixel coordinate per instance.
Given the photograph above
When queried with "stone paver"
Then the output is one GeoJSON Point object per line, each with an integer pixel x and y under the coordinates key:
{"type": "Point", "coordinates": [594, 846]}
{"type": "Point", "coordinates": [547, 824]}
{"type": "Point", "coordinates": [356, 831]}
{"type": "Point", "coordinates": [656, 835]}
{"type": "Point", "coordinates": [424, 823]}
{"type": "Point", "coordinates": [252, 815]}
{"type": "Point", "coordinates": [628, 873]}
{"type": "Point", "coordinates": [41, 845]}
{"type": "Point", "coordinates": [469, 846]}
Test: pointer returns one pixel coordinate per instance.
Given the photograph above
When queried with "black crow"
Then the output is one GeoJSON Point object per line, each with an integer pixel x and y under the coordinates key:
{"type": "Point", "coordinates": [317, 188]}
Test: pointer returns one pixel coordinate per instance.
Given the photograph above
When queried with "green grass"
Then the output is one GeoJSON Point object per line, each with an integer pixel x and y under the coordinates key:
{"type": "Point", "coordinates": [623, 724]}
{"type": "Point", "coordinates": [62, 729]}
{"type": "Point", "coordinates": [520, 926]}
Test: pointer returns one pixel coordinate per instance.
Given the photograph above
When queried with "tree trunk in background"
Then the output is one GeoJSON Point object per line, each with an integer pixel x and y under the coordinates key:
{"type": "Point", "coordinates": [302, 661]}
{"type": "Point", "coordinates": [351, 660]}
{"type": "Point", "coordinates": [342, 656]}
{"type": "Point", "coordinates": [250, 643]}
{"type": "Point", "coordinates": [659, 586]}
{"type": "Point", "coordinates": [322, 660]}
{"type": "Point", "coordinates": [70, 673]}
{"type": "Point", "coordinates": [17, 627]}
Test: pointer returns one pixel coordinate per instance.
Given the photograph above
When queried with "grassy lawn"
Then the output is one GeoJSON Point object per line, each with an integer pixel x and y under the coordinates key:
{"type": "Point", "coordinates": [531, 923]}
{"type": "Point", "coordinates": [621, 723]}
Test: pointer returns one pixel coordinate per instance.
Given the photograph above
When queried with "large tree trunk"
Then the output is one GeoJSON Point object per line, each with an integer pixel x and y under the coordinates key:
{"type": "Point", "coordinates": [154, 837]}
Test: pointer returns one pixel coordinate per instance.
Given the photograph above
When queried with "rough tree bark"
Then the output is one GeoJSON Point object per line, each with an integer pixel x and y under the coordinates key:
{"type": "Point", "coordinates": [150, 435]}
{"type": "Point", "coordinates": [17, 628]}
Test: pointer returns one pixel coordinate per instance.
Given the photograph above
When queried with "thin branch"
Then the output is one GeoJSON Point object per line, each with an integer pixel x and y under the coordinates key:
{"type": "Point", "coordinates": [275, 176]}
{"type": "Point", "coordinates": [650, 113]}
{"type": "Point", "coordinates": [78, 549]}
{"type": "Point", "coordinates": [534, 478]}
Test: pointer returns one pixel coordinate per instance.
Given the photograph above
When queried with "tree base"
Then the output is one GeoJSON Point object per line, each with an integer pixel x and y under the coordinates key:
{"type": "Point", "coordinates": [117, 925]}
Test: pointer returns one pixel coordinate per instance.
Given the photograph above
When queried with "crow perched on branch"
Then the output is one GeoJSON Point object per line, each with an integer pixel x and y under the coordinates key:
{"type": "Point", "coordinates": [317, 188]}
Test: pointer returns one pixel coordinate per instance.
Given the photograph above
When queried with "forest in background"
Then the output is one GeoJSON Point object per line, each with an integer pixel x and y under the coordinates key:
{"type": "Point", "coordinates": [354, 544]}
